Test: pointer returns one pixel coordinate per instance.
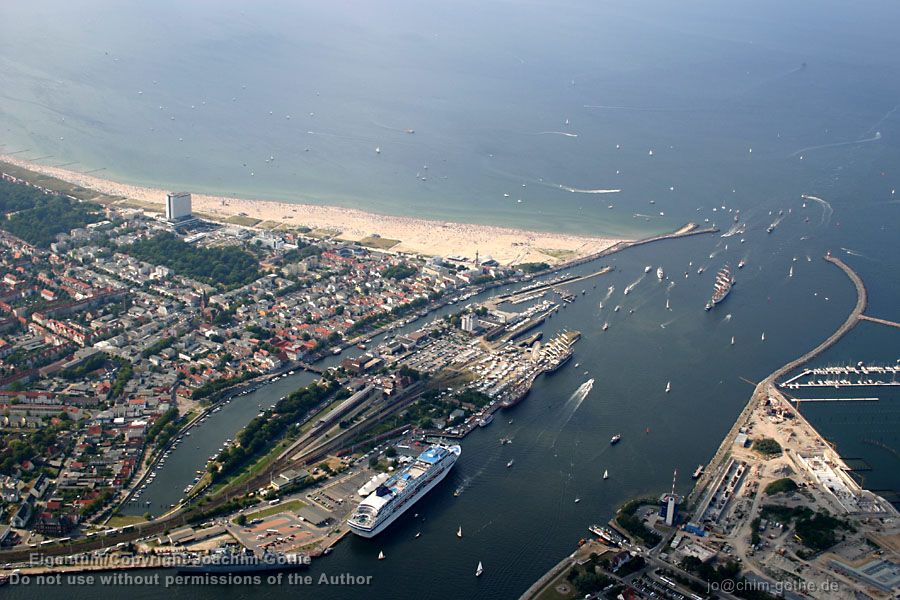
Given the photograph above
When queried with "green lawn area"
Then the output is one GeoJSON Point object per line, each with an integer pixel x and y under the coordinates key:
{"type": "Point", "coordinates": [557, 253]}
{"type": "Point", "coordinates": [269, 224]}
{"type": "Point", "coordinates": [324, 232]}
{"type": "Point", "coordinates": [274, 510]}
{"type": "Point", "coordinates": [145, 206]}
{"type": "Point", "coordinates": [378, 242]}
{"type": "Point", "coordinates": [122, 520]}
{"type": "Point", "coordinates": [242, 220]}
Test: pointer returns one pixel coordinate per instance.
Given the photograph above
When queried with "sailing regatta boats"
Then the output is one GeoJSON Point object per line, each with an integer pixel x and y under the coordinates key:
{"type": "Point", "coordinates": [380, 555]}
{"type": "Point", "coordinates": [479, 570]}
{"type": "Point", "coordinates": [509, 464]}
{"type": "Point", "coordinates": [605, 474]}
{"type": "Point", "coordinates": [732, 340]}
{"type": "Point", "coordinates": [459, 532]}
{"type": "Point", "coordinates": [668, 386]}
{"type": "Point", "coordinates": [763, 337]}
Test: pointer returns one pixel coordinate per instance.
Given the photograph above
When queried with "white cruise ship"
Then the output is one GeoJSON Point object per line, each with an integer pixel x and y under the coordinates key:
{"type": "Point", "coordinates": [403, 489]}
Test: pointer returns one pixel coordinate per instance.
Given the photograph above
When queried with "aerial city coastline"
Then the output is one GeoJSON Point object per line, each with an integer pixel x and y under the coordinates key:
{"type": "Point", "coordinates": [507, 301]}
{"type": "Point", "coordinates": [141, 354]}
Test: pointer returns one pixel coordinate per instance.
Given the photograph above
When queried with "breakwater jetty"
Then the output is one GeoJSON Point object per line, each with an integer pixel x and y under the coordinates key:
{"type": "Point", "coordinates": [767, 387]}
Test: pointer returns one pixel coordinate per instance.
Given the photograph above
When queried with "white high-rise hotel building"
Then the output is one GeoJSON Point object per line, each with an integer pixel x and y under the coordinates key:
{"type": "Point", "coordinates": [178, 206]}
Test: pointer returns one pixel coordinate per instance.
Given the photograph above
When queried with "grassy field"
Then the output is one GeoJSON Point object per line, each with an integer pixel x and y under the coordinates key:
{"type": "Point", "coordinates": [122, 520]}
{"type": "Point", "coordinates": [269, 225]}
{"type": "Point", "coordinates": [558, 254]}
{"type": "Point", "coordinates": [379, 243]}
{"type": "Point", "coordinates": [274, 510]}
{"type": "Point", "coordinates": [324, 233]}
{"type": "Point", "coordinates": [242, 220]}
{"type": "Point", "coordinates": [139, 204]}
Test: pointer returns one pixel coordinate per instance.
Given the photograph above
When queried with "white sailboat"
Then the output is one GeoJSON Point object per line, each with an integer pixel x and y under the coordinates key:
{"type": "Point", "coordinates": [380, 555]}
{"type": "Point", "coordinates": [577, 500]}
{"type": "Point", "coordinates": [763, 337]}
{"type": "Point", "coordinates": [605, 474]}
{"type": "Point", "coordinates": [459, 532]}
{"type": "Point", "coordinates": [479, 570]}
{"type": "Point", "coordinates": [732, 340]}
{"type": "Point", "coordinates": [605, 326]}
{"type": "Point", "coordinates": [668, 387]}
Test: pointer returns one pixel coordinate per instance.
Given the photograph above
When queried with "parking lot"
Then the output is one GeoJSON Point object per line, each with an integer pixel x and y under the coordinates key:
{"type": "Point", "coordinates": [277, 533]}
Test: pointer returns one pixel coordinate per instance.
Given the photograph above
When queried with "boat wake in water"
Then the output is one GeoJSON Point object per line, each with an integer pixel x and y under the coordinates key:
{"type": "Point", "coordinates": [609, 292]}
{"type": "Point", "coordinates": [639, 108]}
{"type": "Point", "coordinates": [634, 283]}
{"type": "Point", "coordinates": [468, 480]}
{"type": "Point", "coordinates": [827, 211]}
{"type": "Point", "coordinates": [573, 404]}
{"type": "Point", "coordinates": [571, 135]}
{"type": "Point", "coordinates": [735, 229]}
{"type": "Point", "coordinates": [874, 138]}
{"type": "Point", "coordinates": [856, 253]}
{"type": "Point", "coordinates": [581, 191]}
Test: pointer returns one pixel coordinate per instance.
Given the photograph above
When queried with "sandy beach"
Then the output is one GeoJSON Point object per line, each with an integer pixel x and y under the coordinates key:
{"type": "Point", "coordinates": [422, 236]}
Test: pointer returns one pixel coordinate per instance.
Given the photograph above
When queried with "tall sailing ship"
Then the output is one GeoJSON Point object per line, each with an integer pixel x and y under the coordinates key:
{"type": "Point", "coordinates": [724, 283]}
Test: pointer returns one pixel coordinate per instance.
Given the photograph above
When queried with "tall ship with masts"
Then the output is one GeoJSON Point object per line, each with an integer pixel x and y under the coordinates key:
{"type": "Point", "coordinates": [723, 285]}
